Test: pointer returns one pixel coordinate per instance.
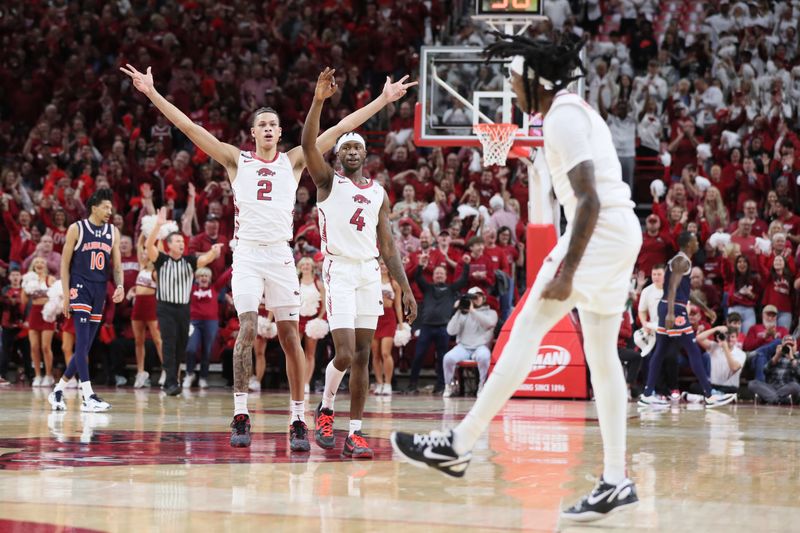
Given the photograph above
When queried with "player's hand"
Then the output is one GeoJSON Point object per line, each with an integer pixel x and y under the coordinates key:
{"type": "Point", "coordinates": [67, 310]}
{"type": "Point", "coordinates": [119, 295]}
{"type": "Point", "coordinates": [395, 91]}
{"type": "Point", "coordinates": [410, 306]}
{"type": "Point", "coordinates": [669, 320]}
{"type": "Point", "coordinates": [326, 84]}
{"type": "Point", "coordinates": [142, 82]}
{"type": "Point", "coordinates": [558, 288]}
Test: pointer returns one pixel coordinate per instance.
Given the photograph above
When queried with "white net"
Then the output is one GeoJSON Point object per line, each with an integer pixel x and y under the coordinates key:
{"type": "Point", "coordinates": [496, 140]}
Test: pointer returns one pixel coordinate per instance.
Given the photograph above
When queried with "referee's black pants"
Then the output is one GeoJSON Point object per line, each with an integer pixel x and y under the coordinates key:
{"type": "Point", "coordinates": [173, 321]}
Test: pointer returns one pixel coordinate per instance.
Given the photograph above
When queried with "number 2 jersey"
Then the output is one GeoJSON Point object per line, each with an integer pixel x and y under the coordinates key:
{"type": "Point", "coordinates": [264, 195]}
{"type": "Point", "coordinates": [349, 219]}
{"type": "Point", "coordinates": [91, 259]}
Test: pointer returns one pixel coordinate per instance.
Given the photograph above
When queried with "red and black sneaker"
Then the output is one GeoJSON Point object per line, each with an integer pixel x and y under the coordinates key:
{"type": "Point", "coordinates": [298, 437]}
{"type": "Point", "coordinates": [323, 422]}
{"type": "Point", "coordinates": [356, 447]}
{"type": "Point", "coordinates": [240, 431]}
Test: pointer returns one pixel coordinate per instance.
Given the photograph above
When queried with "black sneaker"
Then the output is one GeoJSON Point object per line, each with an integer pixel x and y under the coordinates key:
{"type": "Point", "coordinates": [240, 431]}
{"type": "Point", "coordinates": [604, 500]}
{"type": "Point", "coordinates": [323, 427]}
{"type": "Point", "coordinates": [355, 447]}
{"type": "Point", "coordinates": [434, 449]}
{"type": "Point", "coordinates": [173, 390]}
{"type": "Point", "coordinates": [298, 437]}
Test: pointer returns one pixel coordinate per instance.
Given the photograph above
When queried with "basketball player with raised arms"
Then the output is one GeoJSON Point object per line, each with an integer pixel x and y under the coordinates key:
{"type": "Point", "coordinates": [590, 268]}
{"type": "Point", "coordinates": [264, 184]}
{"type": "Point", "coordinates": [91, 245]}
{"type": "Point", "coordinates": [354, 220]}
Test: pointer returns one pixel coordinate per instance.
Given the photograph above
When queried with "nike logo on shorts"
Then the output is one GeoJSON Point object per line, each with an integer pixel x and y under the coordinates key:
{"type": "Point", "coordinates": [292, 314]}
{"type": "Point", "coordinates": [287, 262]}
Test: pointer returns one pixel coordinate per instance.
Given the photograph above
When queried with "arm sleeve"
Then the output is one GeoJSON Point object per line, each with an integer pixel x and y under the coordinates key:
{"type": "Point", "coordinates": [568, 132]}
{"type": "Point", "coordinates": [420, 279]}
{"type": "Point", "coordinates": [192, 259]}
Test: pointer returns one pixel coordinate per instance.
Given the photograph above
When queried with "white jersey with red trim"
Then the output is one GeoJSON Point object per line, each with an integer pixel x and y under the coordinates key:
{"type": "Point", "coordinates": [264, 195]}
{"type": "Point", "coordinates": [349, 219]}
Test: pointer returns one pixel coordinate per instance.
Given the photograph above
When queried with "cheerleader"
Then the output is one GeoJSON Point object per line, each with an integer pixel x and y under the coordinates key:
{"type": "Point", "coordinates": [383, 341]}
{"type": "Point", "coordinates": [312, 294]}
{"type": "Point", "coordinates": [40, 332]}
{"type": "Point", "coordinates": [143, 316]}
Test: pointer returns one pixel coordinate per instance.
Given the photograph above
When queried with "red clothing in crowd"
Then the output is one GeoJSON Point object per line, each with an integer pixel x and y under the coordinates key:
{"type": "Point", "coordinates": [778, 292]}
{"type": "Point", "coordinates": [201, 243]}
{"type": "Point", "coordinates": [204, 304]}
{"type": "Point", "coordinates": [499, 258]}
{"type": "Point", "coordinates": [21, 244]}
{"type": "Point", "coordinates": [654, 250]}
{"type": "Point", "coordinates": [717, 269]}
{"type": "Point", "coordinates": [759, 336]}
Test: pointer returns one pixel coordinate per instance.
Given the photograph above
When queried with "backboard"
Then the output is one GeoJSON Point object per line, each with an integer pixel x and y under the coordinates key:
{"type": "Point", "coordinates": [458, 89]}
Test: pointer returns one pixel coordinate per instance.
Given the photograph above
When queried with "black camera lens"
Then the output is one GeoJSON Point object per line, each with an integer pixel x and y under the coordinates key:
{"type": "Point", "coordinates": [785, 350]}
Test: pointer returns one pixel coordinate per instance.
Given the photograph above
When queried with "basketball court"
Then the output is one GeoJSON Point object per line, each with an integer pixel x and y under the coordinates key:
{"type": "Point", "coordinates": [160, 463]}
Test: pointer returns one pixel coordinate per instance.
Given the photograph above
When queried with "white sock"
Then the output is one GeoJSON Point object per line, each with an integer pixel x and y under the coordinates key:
{"type": "Point", "coordinates": [240, 404]}
{"type": "Point", "coordinates": [86, 389]}
{"type": "Point", "coordinates": [297, 410]}
{"type": "Point", "coordinates": [355, 425]}
{"type": "Point", "coordinates": [600, 334]}
{"type": "Point", "coordinates": [533, 322]}
{"type": "Point", "coordinates": [333, 378]}
{"type": "Point", "coordinates": [61, 385]}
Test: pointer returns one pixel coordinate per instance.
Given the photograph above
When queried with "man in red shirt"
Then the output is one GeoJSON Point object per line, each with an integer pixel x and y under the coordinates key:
{"type": "Point", "coordinates": [752, 185]}
{"type": "Point", "coordinates": [481, 270]}
{"type": "Point", "coordinates": [766, 332]}
{"type": "Point", "coordinates": [790, 221]}
{"type": "Point", "coordinates": [743, 236]}
{"type": "Point", "coordinates": [656, 246]}
{"type": "Point", "coordinates": [202, 242]}
{"type": "Point", "coordinates": [498, 256]}
{"type": "Point", "coordinates": [486, 186]}
{"type": "Point", "coordinates": [703, 291]}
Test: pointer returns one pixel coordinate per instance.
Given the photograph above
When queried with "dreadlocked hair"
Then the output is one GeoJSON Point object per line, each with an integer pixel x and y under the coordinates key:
{"type": "Point", "coordinates": [557, 61]}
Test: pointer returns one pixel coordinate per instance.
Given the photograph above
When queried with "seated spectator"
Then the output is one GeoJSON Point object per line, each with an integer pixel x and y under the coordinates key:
{"type": "Point", "coordinates": [766, 332]}
{"type": "Point", "coordinates": [777, 372]}
{"type": "Point", "coordinates": [726, 360]}
{"type": "Point", "coordinates": [473, 327]}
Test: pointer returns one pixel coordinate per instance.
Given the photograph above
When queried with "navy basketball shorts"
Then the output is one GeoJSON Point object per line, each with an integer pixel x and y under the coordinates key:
{"type": "Point", "coordinates": [86, 301]}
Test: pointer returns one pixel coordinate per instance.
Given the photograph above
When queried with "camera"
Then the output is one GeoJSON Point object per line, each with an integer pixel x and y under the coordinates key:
{"type": "Point", "coordinates": [721, 336]}
{"type": "Point", "coordinates": [465, 302]}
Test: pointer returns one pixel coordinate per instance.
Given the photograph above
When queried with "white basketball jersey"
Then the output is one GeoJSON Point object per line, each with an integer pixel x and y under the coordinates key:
{"type": "Point", "coordinates": [264, 195]}
{"type": "Point", "coordinates": [349, 219]}
{"type": "Point", "coordinates": [568, 112]}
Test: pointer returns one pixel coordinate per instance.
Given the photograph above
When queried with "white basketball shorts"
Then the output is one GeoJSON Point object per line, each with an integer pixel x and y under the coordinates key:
{"type": "Point", "coordinates": [266, 270]}
{"type": "Point", "coordinates": [603, 278]}
{"type": "Point", "coordinates": [353, 297]}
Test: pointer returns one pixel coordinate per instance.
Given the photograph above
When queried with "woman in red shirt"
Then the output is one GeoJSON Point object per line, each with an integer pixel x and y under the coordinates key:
{"type": "Point", "coordinates": [778, 286]}
{"type": "Point", "coordinates": [204, 315]}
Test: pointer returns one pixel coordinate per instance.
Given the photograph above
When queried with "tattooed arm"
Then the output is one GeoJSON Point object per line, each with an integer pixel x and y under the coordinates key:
{"type": "Point", "coordinates": [581, 177]}
{"type": "Point", "coordinates": [392, 259]}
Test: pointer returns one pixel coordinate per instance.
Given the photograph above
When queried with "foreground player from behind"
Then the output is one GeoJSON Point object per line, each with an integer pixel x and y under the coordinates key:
{"type": "Point", "coordinates": [90, 247]}
{"type": "Point", "coordinates": [596, 256]}
{"type": "Point", "coordinates": [354, 216]}
{"type": "Point", "coordinates": [264, 184]}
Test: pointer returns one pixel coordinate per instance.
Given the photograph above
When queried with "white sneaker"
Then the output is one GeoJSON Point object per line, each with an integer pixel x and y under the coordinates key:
{"type": "Point", "coordinates": [688, 397]}
{"type": "Point", "coordinates": [188, 379]}
{"type": "Point", "coordinates": [254, 385]}
{"type": "Point", "coordinates": [163, 378]}
{"type": "Point", "coordinates": [387, 389]}
{"type": "Point", "coordinates": [717, 400]}
{"type": "Point", "coordinates": [652, 401]}
{"type": "Point", "coordinates": [203, 383]}
{"type": "Point", "coordinates": [72, 383]}
{"type": "Point", "coordinates": [449, 390]}
{"type": "Point", "coordinates": [141, 379]}
{"type": "Point", "coordinates": [94, 404]}
{"type": "Point", "coordinates": [56, 399]}
{"type": "Point", "coordinates": [37, 381]}
{"type": "Point", "coordinates": [48, 381]}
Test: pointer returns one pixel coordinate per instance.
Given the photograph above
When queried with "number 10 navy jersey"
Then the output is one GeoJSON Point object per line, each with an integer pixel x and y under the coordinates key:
{"type": "Point", "coordinates": [91, 259]}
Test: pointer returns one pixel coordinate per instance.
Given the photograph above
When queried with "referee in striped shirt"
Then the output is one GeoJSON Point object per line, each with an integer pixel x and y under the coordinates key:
{"type": "Point", "coordinates": [175, 277]}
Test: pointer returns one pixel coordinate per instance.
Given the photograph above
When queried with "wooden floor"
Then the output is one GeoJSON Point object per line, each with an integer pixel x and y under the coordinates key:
{"type": "Point", "coordinates": [156, 463]}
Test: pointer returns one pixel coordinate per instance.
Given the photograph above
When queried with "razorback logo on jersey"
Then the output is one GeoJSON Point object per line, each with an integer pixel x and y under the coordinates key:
{"type": "Point", "coordinates": [263, 171]}
{"type": "Point", "coordinates": [361, 199]}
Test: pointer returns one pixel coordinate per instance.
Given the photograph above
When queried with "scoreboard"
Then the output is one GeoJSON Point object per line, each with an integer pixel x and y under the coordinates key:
{"type": "Point", "coordinates": [509, 8]}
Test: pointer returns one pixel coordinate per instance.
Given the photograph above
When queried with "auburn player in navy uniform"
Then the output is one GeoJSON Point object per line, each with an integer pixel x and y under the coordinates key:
{"type": "Point", "coordinates": [674, 326]}
{"type": "Point", "coordinates": [91, 246]}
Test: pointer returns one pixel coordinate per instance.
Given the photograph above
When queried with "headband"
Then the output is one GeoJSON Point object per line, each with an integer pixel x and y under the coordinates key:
{"type": "Point", "coordinates": [350, 137]}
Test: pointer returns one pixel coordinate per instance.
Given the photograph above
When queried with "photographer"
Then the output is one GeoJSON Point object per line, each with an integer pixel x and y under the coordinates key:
{"type": "Point", "coordinates": [473, 326]}
{"type": "Point", "coordinates": [781, 372]}
{"type": "Point", "coordinates": [726, 359]}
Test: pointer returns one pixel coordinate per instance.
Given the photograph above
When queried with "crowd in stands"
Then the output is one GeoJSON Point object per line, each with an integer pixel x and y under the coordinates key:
{"type": "Point", "coordinates": [705, 93]}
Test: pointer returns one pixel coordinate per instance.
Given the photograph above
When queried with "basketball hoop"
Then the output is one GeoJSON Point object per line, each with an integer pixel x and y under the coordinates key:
{"type": "Point", "coordinates": [496, 140]}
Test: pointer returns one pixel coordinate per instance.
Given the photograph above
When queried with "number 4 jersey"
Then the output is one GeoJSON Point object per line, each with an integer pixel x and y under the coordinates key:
{"type": "Point", "coordinates": [349, 219]}
{"type": "Point", "coordinates": [264, 197]}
